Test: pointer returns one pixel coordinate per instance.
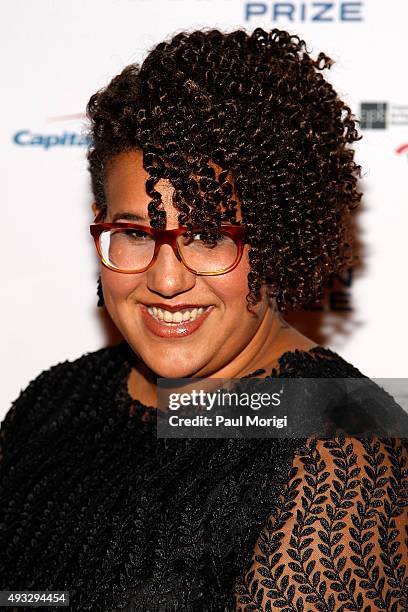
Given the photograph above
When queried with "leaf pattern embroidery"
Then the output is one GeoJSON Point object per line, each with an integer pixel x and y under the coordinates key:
{"type": "Point", "coordinates": [338, 539]}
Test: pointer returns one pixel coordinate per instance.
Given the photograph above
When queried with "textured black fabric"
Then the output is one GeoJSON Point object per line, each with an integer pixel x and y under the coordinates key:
{"type": "Point", "coordinates": [93, 503]}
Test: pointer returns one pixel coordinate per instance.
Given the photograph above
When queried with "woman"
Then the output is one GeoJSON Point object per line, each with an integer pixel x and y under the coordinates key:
{"type": "Point", "coordinates": [223, 180]}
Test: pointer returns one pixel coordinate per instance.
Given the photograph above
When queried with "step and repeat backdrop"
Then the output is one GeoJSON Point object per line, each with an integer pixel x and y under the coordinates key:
{"type": "Point", "coordinates": [56, 53]}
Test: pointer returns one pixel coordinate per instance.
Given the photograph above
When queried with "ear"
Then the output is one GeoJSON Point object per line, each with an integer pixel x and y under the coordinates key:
{"type": "Point", "coordinates": [95, 209]}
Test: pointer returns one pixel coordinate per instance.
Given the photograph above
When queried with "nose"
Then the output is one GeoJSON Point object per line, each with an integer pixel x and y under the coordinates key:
{"type": "Point", "coordinates": [168, 276]}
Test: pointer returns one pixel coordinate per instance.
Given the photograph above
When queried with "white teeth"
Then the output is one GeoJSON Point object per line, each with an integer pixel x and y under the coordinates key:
{"type": "Point", "coordinates": [175, 317]}
{"type": "Point", "coordinates": [168, 317]}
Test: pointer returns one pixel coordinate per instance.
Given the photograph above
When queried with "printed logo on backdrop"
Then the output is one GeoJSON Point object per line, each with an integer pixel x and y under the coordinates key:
{"type": "Point", "coordinates": [381, 115]}
{"type": "Point", "coordinates": [50, 139]}
{"type": "Point", "coordinates": [295, 11]}
{"type": "Point", "coordinates": [337, 295]}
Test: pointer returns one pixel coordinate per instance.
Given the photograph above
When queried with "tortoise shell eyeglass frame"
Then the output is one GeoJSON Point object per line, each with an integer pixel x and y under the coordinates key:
{"type": "Point", "coordinates": [235, 232]}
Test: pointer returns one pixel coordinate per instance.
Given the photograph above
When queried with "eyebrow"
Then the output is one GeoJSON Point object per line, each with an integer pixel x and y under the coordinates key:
{"type": "Point", "coordinates": [128, 216]}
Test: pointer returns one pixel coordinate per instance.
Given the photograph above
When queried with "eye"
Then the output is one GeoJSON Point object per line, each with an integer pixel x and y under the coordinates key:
{"type": "Point", "coordinates": [137, 235]}
{"type": "Point", "coordinates": [201, 237]}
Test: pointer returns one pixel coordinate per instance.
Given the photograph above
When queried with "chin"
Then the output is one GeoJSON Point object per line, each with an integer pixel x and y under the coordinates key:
{"type": "Point", "coordinates": [173, 361]}
{"type": "Point", "coordinates": [172, 370]}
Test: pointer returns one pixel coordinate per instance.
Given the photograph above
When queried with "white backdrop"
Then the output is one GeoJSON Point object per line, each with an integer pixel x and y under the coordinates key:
{"type": "Point", "coordinates": [56, 54]}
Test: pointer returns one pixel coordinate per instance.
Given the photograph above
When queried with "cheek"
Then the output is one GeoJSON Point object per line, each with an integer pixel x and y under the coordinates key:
{"type": "Point", "coordinates": [118, 285]}
{"type": "Point", "coordinates": [232, 287]}
{"type": "Point", "coordinates": [117, 288]}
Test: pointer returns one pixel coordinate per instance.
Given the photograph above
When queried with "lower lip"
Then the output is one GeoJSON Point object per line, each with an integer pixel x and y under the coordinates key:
{"type": "Point", "coordinates": [173, 330]}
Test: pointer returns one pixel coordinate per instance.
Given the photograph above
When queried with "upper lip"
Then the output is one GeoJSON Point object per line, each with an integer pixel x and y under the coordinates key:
{"type": "Point", "coordinates": [176, 307]}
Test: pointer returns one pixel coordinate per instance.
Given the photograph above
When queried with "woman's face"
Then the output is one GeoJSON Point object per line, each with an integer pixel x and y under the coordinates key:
{"type": "Point", "coordinates": [225, 329]}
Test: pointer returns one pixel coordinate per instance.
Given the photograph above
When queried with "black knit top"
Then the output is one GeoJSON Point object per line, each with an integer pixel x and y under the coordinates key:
{"type": "Point", "coordinates": [93, 503]}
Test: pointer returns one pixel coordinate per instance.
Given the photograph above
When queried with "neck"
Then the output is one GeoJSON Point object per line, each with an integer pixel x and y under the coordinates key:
{"type": "Point", "coordinates": [262, 350]}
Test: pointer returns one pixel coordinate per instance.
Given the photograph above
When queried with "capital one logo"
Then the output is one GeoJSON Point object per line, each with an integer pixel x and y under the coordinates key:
{"type": "Point", "coordinates": [49, 140]}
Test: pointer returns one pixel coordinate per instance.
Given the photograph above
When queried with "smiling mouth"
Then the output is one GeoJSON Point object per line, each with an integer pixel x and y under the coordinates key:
{"type": "Point", "coordinates": [177, 324]}
{"type": "Point", "coordinates": [185, 315]}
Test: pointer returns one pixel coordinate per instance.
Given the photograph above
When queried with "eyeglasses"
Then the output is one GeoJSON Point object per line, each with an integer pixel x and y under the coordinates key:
{"type": "Point", "coordinates": [131, 248]}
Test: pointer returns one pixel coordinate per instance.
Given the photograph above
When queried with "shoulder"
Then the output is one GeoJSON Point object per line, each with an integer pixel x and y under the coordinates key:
{"type": "Point", "coordinates": [60, 377]}
{"type": "Point", "coordinates": [316, 361]}
{"type": "Point", "coordinates": [356, 404]}
{"type": "Point", "coordinates": [53, 388]}
{"type": "Point", "coordinates": [337, 537]}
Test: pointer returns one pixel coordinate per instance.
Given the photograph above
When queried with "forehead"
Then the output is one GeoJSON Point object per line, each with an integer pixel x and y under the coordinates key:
{"type": "Point", "coordinates": [125, 185]}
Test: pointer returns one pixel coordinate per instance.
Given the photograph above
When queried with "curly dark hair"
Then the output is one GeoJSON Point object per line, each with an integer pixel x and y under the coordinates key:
{"type": "Point", "coordinates": [258, 106]}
